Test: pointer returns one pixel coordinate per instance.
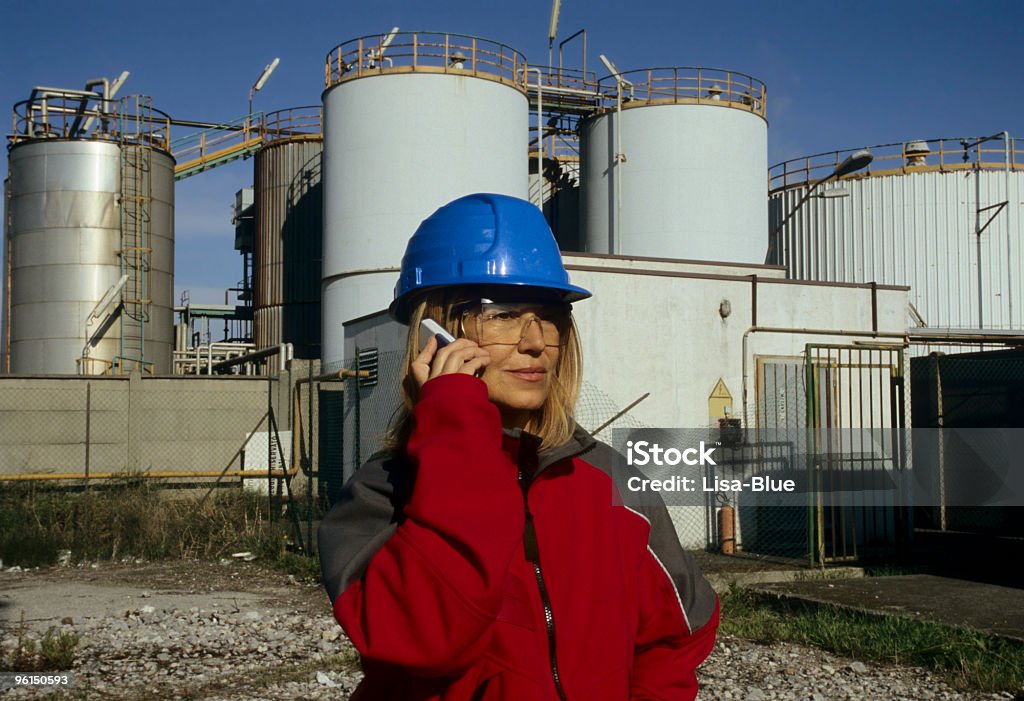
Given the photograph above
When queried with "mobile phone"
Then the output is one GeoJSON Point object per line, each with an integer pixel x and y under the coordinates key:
{"type": "Point", "coordinates": [434, 329]}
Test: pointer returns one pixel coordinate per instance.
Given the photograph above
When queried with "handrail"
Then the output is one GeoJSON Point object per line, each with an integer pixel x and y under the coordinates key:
{"type": "Point", "coordinates": [200, 145]}
{"type": "Point", "coordinates": [569, 78]}
{"type": "Point", "coordinates": [294, 122]}
{"type": "Point", "coordinates": [914, 156]}
{"type": "Point", "coordinates": [685, 85]}
{"type": "Point", "coordinates": [433, 52]}
{"type": "Point", "coordinates": [78, 114]}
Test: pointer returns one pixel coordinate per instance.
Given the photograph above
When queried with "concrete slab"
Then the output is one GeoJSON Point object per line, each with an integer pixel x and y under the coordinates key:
{"type": "Point", "coordinates": [984, 607]}
{"type": "Point", "coordinates": [45, 603]}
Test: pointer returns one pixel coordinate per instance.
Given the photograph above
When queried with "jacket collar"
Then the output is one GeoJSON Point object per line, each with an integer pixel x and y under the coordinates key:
{"type": "Point", "coordinates": [523, 447]}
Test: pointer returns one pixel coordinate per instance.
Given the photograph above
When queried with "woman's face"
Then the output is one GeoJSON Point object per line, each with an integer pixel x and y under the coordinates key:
{"type": "Point", "coordinates": [519, 377]}
{"type": "Point", "coordinates": [521, 374]}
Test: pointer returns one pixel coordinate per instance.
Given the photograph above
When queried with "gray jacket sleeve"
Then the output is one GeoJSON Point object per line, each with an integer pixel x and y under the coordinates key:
{"type": "Point", "coordinates": [365, 516]}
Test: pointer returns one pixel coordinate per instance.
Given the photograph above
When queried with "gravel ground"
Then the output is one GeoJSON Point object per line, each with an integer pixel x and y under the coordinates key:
{"type": "Point", "coordinates": [234, 631]}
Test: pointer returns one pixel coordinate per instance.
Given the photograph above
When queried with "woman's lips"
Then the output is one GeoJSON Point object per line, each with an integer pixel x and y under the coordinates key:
{"type": "Point", "coordinates": [530, 374]}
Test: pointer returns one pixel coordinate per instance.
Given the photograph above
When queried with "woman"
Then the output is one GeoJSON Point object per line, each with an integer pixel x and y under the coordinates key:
{"type": "Point", "coordinates": [485, 554]}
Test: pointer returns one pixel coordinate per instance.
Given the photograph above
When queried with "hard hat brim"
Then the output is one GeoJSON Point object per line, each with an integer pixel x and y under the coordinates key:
{"type": "Point", "coordinates": [401, 308]}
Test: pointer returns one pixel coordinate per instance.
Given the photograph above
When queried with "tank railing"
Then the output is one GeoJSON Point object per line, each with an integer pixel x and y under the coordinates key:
{"type": "Point", "coordinates": [64, 114]}
{"type": "Point", "coordinates": [78, 114]}
{"type": "Point", "coordinates": [568, 78]}
{"type": "Point", "coordinates": [149, 125]}
{"type": "Point", "coordinates": [686, 85]}
{"type": "Point", "coordinates": [293, 122]}
{"type": "Point", "coordinates": [459, 54]}
{"type": "Point", "coordinates": [87, 365]}
{"type": "Point", "coordinates": [915, 156]}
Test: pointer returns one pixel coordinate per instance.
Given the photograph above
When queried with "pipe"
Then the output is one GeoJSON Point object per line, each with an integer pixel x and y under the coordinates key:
{"type": "Point", "coordinates": [614, 248]}
{"type": "Point", "coordinates": [165, 474]}
{"type": "Point", "coordinates": [1009, 235]}
{"type": "Point", "coordinates": [540, 136]}
{"type": "Point", "coordinates": [284, 349]}
{"type": "Point", "coordinates": [977, 237]}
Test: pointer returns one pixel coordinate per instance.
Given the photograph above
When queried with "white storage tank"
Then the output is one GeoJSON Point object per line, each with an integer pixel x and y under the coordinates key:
{"type": "Point", "coordinates": [91, 220]}
{"type": "Point", "coordinates": [411, 122]}
{"type": "Point", "coordinates": [673, 166]}
{"type": "Point", "coordinates": [942, 216]}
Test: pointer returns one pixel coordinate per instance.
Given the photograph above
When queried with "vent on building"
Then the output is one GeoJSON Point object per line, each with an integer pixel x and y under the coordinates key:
{"type": "Point", "coordinates": [367, 360]}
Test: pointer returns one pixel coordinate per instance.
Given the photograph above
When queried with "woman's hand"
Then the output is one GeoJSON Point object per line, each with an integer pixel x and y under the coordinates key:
{"type": "Point", "coordinates": [459, 356]}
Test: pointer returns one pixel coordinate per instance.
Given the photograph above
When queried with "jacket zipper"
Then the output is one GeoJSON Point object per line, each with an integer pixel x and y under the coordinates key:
{"type": "Point", "coordinates": [533, 555]}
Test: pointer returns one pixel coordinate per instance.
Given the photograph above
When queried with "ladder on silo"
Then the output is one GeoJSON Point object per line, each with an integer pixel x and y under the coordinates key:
{"type": "Point", "coordinates": [135, 114]}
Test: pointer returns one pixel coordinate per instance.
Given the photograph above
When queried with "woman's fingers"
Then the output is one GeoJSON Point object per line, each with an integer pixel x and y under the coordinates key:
{"type": "Point", "coordinates": [421, 364]}
{"type": "Point", "coordinates": [453, 358]}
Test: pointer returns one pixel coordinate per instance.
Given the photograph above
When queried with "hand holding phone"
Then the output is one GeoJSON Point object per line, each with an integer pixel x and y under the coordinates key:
{"type": "Point", "coordinates": [450, 355]}
{"type": "Point", "coordinates": [432, 328]}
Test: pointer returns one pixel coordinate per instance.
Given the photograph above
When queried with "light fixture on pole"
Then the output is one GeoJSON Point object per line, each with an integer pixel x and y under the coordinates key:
{"type": "Point", "coordinates": [556, 8]}
{"type": "Point", "coordinates": [857, 160]}
{"type": "Point", "coordinates": [261, 81]}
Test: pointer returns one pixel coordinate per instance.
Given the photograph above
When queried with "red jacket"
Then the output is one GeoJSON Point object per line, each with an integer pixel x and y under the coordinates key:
{"type": "Point", "coordinates": [478, 569]}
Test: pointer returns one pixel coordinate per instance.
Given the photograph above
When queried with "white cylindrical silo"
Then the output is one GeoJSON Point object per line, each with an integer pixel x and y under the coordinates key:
{"type": "Point", "coordinates": [675, 168]}
{"type": "Point", "coordinates": [409, 125]}
{"type": "Point", "coordinates": [922, 215]}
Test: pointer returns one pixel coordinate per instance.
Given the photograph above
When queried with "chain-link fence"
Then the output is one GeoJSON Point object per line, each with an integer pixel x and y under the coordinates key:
{"type": "Point", "coordinates": [168, 428]}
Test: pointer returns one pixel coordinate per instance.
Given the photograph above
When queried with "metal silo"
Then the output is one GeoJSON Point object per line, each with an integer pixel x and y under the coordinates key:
{"type": "Point", "coordinates": [411, 121]}
{"type": "Point", "coordinates": [91, 235]}
{"type": "Point", "coordinates": [942, 216]}
{"type": "Point", "coordinates": [673, 166]}
{"type": "Point", "coordinates": [289, 228]}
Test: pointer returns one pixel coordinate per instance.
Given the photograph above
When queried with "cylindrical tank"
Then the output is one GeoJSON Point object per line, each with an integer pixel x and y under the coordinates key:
{"type": "Point", "coordinates": [67, 254]}
{"type": "Point", "coordinates": [941, 216]}
{"type": "Point", "coordinates": [409, 125]}
{"type": "Point", "coordinates": [289, 229]}
{"type": "Point", "coordinates": [675, 169]}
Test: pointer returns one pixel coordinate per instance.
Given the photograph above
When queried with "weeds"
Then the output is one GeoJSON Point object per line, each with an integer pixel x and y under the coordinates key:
{"type": "Point", "coordinates": [55, 652]}
{"type": "Point", "coordinates": [969, 659]}
{"type": "Point", "coordinates": [134, 518]}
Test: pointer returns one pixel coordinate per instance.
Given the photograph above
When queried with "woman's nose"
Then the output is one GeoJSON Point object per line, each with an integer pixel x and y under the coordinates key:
{"type": "Point", "coordinates": [533, 334]}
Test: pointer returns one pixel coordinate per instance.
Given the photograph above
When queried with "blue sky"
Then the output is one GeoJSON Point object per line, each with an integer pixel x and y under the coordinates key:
{"type": "Point", "coordinates": [839, 74]}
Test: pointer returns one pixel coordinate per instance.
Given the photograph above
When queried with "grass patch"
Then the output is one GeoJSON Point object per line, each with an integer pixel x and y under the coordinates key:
{"type": "Point", "coordinates": [968, 659]}
{"type": "Point", "coordinates": [303, 567]}
{"type": "Point", "coordinates": [136, 518]}
{"type": "Point", "coordinates": [55, 652]}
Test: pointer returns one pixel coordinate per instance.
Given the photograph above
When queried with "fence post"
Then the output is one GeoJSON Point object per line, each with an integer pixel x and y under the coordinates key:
{"type": "Point", "coordinates": [88, 427]}
{"type": "Point", "coordinates": [135, 422]}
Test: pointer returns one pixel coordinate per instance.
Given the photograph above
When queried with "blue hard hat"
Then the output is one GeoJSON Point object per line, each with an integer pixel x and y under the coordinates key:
{"type": "Point", "coordinates": [482, 239]}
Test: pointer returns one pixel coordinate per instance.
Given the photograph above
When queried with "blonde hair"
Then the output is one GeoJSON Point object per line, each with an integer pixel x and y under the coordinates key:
{"type": "Point", "coordinates": [553, 422]}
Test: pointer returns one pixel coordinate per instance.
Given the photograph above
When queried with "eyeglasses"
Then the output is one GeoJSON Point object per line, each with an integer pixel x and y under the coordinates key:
{"type": "Point", "coordinates": [493, 323]}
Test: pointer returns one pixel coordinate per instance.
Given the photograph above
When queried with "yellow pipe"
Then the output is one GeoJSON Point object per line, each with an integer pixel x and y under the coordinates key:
{"type": "Point", "coordinates": [248, 474]}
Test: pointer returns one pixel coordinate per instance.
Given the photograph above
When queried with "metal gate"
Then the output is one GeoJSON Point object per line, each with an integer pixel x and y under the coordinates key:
{"type": "Point", "coordinates": [856, 450]}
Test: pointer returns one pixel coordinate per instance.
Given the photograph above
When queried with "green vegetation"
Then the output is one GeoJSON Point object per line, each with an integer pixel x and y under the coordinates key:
{"type": "Point", "coordinates": [55, 652]}
{"type": "Point", "coordinates": [969, 659]}
{"type": "Point", "coordinates": [139, 518]}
